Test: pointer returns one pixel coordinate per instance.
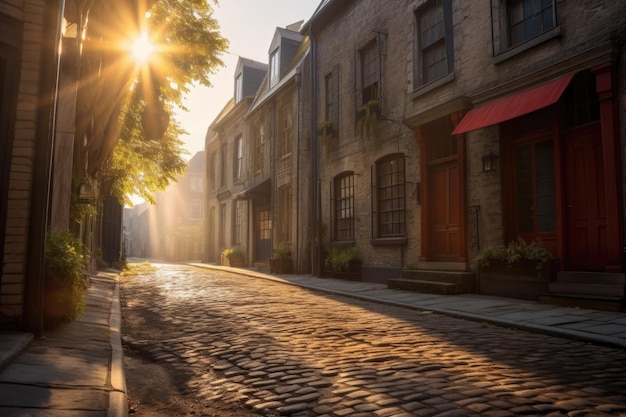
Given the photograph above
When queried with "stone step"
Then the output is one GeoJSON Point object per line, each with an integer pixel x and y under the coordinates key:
{"type": "Point", "coordinates": [584, 288]}
{"type": "Point", "coordinates": [604, 278]}
{"type": "Point", "coordinates": [581, 301]}
{"type": "Point", "coordinates": [455, 277]}
{"type": "Point", "coordinates": [424, 286]}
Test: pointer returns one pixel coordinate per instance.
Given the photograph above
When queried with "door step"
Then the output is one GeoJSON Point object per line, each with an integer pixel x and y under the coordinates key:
{"type": "Point", "coordinates": [593, 290]}
{"type": "Point", "coordinates": [434, 282]}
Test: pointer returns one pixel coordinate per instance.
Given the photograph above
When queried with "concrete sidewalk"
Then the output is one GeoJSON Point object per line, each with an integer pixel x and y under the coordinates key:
{"type": "Point", "coordinates": [600, 327]}
{"type": "Point", "coordinates": [74, 370]}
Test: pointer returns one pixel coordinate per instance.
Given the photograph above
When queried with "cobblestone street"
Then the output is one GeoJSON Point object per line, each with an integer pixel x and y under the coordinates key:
{"type": "Point", "coordinates": [282, 349]}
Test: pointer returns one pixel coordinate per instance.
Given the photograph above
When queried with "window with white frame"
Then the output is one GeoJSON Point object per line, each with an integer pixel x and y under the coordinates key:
{"type": "Point", "coordinates": [274, 67]}
{"type": "Point", "coordinates": [259, 148]}
{"type": "Point", "coordinates": [238, 88]}
{"type": "Point", "coordinates": [238, 158]}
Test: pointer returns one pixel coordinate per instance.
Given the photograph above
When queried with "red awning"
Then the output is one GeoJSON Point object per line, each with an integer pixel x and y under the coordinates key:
{"type": "Point", "coordinates": [513, 106]}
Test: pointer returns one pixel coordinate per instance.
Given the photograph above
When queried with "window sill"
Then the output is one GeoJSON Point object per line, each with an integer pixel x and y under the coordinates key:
{"type": "Point", "coordinates": [529, 44]}
{"type": "Point", "coordinates": [389, 241]}
{"type": "Point", "coordinates": [426, 88]}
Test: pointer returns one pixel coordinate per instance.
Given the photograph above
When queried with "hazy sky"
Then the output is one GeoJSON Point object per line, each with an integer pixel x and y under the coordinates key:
{"type": "Point", "coordinates": [249, 26]}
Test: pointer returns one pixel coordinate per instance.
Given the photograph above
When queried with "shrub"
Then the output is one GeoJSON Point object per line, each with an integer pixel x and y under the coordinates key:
{"type": "Point", "coordinates": [281, 253]}
{"type": "Point", "coordinates": [65, 278]}
{"type": "Point", "coordinates": [339, 257]}
{"type": "Point", "coordinates": [232, 252]}
{"type": "Point", "coordinates": [516, 251]}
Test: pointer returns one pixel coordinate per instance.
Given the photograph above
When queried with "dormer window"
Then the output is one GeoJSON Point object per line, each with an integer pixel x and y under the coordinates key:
{"type": "Point", "coordinates": [238, 88]}
{"type": "Point", "coordinates": [274, 67]}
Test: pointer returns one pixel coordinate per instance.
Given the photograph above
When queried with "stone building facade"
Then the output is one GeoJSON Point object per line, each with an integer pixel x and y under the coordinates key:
{"type": "Point", "coordinates": [494, 121]}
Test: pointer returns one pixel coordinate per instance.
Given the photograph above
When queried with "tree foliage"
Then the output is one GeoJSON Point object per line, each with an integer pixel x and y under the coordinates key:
{"type": "Point", "coordinates": [188, 46]}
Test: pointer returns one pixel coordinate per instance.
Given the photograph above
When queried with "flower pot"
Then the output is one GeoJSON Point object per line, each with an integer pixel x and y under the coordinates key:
{"type": "Point", "coordinates": [521, 280]}
{"type": "Point", "coordinates": [281, 266]}
{"type": "Point", "coordinates": [233, 261]}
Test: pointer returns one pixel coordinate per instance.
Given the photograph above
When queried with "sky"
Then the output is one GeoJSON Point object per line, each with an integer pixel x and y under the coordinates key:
{"type": "Point", "coordinates": [249, 26]}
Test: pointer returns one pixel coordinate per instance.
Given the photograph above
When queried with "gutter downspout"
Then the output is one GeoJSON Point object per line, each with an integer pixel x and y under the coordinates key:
{"type": "Point", "coordinates": [42, 168]}
{"type": "Point", "coordinates": [315, 213]}
{"type": "Point", "coordinates": [298, 140]}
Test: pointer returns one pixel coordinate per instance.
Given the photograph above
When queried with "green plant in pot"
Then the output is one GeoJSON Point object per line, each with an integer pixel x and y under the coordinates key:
{"type": "Point", "coordinates": [343, 262]}
{"type": "Point", "coordinates": [281, 262]}
{"type": "Point", "coordinates": [66, 267]}
{"type": "Point", "coordinates": [233, 257]}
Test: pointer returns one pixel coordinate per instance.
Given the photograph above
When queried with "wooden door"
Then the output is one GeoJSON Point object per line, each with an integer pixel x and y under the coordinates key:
{"type": "Point", "coordinates": [444, 208]}
{"type": "Point", "coordinates": [585, 209]}
{"type": "Point", "coordinates": [263, 236]}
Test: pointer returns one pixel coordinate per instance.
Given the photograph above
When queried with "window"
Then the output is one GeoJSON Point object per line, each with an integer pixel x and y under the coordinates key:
{"type": "Point", "coordinates": [195, 184]}
{"type": "Point", "coordinates": [274, 67]}
{"type": "Point", "coordinates": [238, 88]}
{"type": "Point", "coordinates": [331, 99]}
{"type": "Point", "coordinates": [223, 155]}
{"type": "Point", "coordinates": [518, 25]}
{"type": "Point", "coordinates": [286, 128]}
{"type": "Point", "coordinates": [213, 171]}
{"type": "Point", "coordinates": [528, 19]}
{"type": "Point", "coordinates": [238, 229]}
{"type": "Point", "coordinates": [343, 200]}
{"type": "Point", "coordinates": [370, 73]}
{"type": "Point", "coordinates": [390, 197]}
{"type": "Point", "coordinates": [535, 190]}
{"type": "Point", "coordinates": [283, 212]}
{"type": "Point", "coordinates": [222, 225]}
{"type": "Point", "coordinates": [434, 31]}
{"type": "Point", "coordinates": [238, 160]}
{"type": "Point", "coordinates": [195, 210]}
{"type": "Point", "coordinates": [259, 146]}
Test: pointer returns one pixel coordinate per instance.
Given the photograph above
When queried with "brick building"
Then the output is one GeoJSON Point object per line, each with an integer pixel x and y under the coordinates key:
{"type": "Point", "coordinates": [451, 126]}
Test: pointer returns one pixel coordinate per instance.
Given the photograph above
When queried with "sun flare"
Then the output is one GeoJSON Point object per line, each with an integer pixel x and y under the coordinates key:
{"type": "Point", "coordinates": [142, 48]}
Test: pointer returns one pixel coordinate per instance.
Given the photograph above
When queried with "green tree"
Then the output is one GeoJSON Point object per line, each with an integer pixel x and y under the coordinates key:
{"type": "Point", "coordinates": [149, 153]}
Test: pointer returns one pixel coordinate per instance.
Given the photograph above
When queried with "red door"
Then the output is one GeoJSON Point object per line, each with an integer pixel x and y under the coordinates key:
{"type": "Point", "coordinates": [584, 200]}
{"type": "Point", "coordinates": [444, 210]}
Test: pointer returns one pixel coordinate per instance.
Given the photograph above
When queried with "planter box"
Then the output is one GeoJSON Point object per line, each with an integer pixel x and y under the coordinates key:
{"type": "Point", "coordinates": [351, 273]}
{"type": "Point", "coordinates": [281, 266]}
{"type": "Point", "coordinates": [521, 280]}
{"type": "Point", "coordinates": [233, 261]}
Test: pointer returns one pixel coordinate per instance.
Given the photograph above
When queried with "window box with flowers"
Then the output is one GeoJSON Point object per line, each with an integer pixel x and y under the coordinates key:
{"type": "Point", "coordinates": [325, 128]}
{"type": "Point", "coordinates": [518, 270]}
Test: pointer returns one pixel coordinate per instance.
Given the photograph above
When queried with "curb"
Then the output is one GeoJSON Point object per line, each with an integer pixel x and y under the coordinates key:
{"type": "Point", "coordinates": [19, 342]}
{"type": "Point", "coordinates": [118, 398]}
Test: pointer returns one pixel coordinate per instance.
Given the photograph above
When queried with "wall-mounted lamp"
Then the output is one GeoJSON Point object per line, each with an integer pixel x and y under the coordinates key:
{"type": "Point", "coordinates": [490, 162]}
{"type": "Point", "coordinates": [85, 192]}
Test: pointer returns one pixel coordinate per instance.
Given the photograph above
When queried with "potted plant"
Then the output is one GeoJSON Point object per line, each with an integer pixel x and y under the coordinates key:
{"type": "Point", "coordinates": [520, 269]}
{"type": "Point", "coordinates": [65, 276]}
{"type": "Point", "coordinates": [325, 128]}
{"type": "Point", "coordinates": [343, 262]}
{"type": "Point", "coordinates": [281, 262]}
{"type": "Point", "coordinates": [233, 257]}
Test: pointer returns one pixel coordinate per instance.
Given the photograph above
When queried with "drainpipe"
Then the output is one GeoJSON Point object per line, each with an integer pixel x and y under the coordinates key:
{"type": "Point", "coordinates": [42, 168]}
{"type": "Point", "coordinates": [298, 139]}
{"type": "Point", "coordinates": [315, 212]}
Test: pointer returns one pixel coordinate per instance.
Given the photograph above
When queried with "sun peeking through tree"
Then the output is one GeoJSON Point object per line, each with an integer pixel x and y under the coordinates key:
{"type": "Point", "coordinates": [177, 44]}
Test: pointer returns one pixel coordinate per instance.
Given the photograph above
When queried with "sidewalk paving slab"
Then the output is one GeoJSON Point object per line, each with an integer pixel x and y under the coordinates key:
{"type": "Point", "coordinates": [76, 369]}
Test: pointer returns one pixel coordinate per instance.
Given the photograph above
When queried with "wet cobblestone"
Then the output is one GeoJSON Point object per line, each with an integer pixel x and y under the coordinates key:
{"type": "Point", "coordinates": [285, 350]}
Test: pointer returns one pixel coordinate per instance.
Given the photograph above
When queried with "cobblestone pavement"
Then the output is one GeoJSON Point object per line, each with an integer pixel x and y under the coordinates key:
{"type": "Point", "coordinates": [286, 350]}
